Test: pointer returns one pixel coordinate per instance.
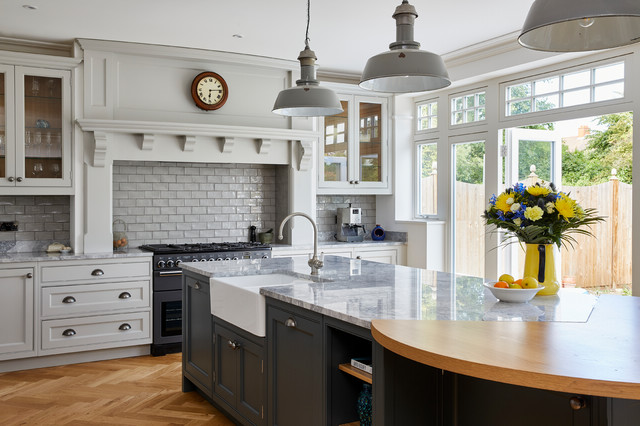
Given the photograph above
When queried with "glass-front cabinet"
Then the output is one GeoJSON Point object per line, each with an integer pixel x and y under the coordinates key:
{"type": "Point", "coordinates": [35, 128]}
{"type": "Point", "coordinates": [354, 154]}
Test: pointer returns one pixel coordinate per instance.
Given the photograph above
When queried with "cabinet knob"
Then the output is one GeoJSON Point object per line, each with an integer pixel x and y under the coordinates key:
{"type": "Point", "coordinates": [577, 403]}
{"type": "Point", "coordinates": [233, 345]}
{"type": "Point", "coordinates": [97, 272]}
{"type": "Point", "coordinates": [351, 182]}
{"type": "Point", "coordinates": [359, 257]}
{"type": "Point", "coordinates": [11, 179]}
{"type": "Point", "coordinates": [357, 182]}
{"type": "Point", "coordinates": [69, 332]}
{"type": "Point", "coordinates": [124, 327]}
{"type": "Point", "coordinates": [124, 295]}
{"type": "Point", "coordinates": [290, 322]}
{"type": "Point", "coordinates": [29, 275]}
{"type": "Point", "coordinates": [19, 179]}
{"type": "Point", "coordinates": [196, 285]}
{"type": "Point", "coordinates": [69, 299]}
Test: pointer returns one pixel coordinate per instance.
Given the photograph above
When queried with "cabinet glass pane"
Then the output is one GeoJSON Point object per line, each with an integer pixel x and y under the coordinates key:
{"type": "Point", "coordinates": [336, 139]}
{"type": "Point", "coordinates": [370, 142]}
{"type": "Point", "coordinates": [3, 126]}
{"type": "Point", "coordinates": [43, 127]}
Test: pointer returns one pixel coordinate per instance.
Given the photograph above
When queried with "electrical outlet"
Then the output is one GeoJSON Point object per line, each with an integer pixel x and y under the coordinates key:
{"type": "Point", "coordinates": [8, 226]}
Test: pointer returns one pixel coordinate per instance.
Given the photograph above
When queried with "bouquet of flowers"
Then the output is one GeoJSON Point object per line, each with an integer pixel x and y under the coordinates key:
{"type": "Point", "coordinates": [539, 214]}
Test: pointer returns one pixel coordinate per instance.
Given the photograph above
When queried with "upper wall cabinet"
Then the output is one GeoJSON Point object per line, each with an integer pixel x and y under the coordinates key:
{"type": "Point", "coordinates": [354, 155]}
{"type": "Point", "coordinates": [35, 130]}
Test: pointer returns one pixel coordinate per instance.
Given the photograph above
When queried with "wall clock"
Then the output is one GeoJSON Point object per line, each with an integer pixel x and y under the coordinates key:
{"type": "Point", "coordinates": [209, 91]}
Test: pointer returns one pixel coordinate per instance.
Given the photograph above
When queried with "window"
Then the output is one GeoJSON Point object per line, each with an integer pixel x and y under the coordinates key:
{"type": "Point", "coordinates": [427, 200]}
{"type": "Point", "coordinates": [468, 108]}
{"type": "Point", "coordinates": [427, 116]}
{"type": "Point", "coordinates": [581, 87]}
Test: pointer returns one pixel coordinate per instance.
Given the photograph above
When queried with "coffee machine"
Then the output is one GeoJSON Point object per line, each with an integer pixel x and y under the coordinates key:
{"type": "Point", "coordinates": [349, 225]}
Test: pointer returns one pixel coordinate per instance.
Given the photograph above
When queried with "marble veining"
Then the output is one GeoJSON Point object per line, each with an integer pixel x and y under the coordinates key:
{"type": "Point", "coordinates": [43, 256]}
{"type": "Point", "coordinates": [357, 291]}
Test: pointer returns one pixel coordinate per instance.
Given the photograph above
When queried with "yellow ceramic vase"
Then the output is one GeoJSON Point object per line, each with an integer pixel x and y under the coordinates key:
{"type": "Point", "coordinates": [540, 263]}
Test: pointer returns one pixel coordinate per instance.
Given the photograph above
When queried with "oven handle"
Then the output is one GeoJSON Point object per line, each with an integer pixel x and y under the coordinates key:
{"type": "Point", "coordinates": [170, 274]}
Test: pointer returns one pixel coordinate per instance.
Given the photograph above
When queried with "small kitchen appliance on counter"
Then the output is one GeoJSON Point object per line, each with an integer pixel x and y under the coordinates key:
{"type": "Point", "coordinates": [167, 283]}
{"type": "Point", "coordinates": [349, 226]}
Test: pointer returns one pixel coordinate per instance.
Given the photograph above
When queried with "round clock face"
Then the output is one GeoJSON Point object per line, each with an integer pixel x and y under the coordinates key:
{"type": "Point", "coordinates": [209, 91]}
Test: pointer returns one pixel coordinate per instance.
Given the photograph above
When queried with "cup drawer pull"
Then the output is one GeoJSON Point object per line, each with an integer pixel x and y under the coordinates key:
{"type": "Point", "coordinates": [69, 299]}
{"type": "Point", "coordinates": [97, 272]}
{"type": "Point", "coordinates": [124, 327]}
{"type": "Point", "coordinates": [69, 332]}
{"type": "Point", "coordinates": [290, 322]}
{"type": "Point", "coordinates": [125, 295]}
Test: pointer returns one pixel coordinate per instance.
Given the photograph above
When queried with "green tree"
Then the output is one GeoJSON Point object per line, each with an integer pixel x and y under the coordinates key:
{"type": "Point", "coordinates": [470, 162]}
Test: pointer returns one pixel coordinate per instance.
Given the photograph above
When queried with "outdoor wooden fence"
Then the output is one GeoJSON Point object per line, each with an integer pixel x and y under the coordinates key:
{"type": "Point", "coordinates": [602, 261]}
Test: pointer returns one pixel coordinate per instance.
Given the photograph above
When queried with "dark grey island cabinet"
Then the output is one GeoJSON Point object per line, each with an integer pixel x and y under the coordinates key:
{"type": "Point", "coordinates": [219, 360]}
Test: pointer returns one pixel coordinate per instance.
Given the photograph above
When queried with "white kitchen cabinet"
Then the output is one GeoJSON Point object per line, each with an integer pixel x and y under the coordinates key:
{"type": "Point", "coordinates": [17, 313]}
{"type": "Point", "coordinates": [35, 131]}
{"type": "Point", "coordinates": [94, 304]}
{"type": "Point", "coordinates": [393, 254]}
{"type": "Point", "coordinates": [354, 156]}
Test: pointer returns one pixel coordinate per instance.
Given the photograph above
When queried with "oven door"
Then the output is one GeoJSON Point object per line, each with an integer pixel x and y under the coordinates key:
{"type": "Point", "coordinates": [167, 317]}
{"type": "Point", "coordinates": [167, 280]}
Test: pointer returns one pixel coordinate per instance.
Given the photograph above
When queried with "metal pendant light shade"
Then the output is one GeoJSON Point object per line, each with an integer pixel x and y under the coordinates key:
{"type": "Point", "coordinates": [405, 68]}
{"type": "Point", "coordinates": [307, 98]}
{"type": "Point", "coordinates": [576, 26]}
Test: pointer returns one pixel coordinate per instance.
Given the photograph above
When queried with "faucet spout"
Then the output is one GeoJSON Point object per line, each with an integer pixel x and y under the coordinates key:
{"type": "Point", "coordinates": [314, 262]}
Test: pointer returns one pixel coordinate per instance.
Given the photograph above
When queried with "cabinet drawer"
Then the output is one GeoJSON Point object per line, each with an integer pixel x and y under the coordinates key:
{"type": "Point", "coordinates": [94, 298]}
{"type": "Point", "coordinates": [74, 332]}
{"type": "Point", "coordinates": [94, 272]}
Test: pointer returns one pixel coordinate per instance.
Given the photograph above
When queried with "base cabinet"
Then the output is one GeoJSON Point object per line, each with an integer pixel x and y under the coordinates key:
{"type": "Point", "coordinates": [197, 331]}
{"type": "Point", "coordinates": [17, 313]}
{"type": "Point", "coordinates": [296, 384]}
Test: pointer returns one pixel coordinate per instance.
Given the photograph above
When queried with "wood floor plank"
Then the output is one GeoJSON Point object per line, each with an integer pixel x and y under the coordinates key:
{"type": "Point", "coordinates": [136, 391]}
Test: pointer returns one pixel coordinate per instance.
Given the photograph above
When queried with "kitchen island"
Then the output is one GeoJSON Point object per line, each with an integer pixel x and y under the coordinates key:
{"type": "Point", "coordinates": [315, 327]}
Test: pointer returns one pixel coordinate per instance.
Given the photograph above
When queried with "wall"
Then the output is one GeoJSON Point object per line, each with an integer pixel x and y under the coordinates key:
{"type": "Point", "coordinates": [326, 208]}
{"type": "Point", "coordinates": [42, 220]}
{"type": "Point", "coordinates": [164, 202]}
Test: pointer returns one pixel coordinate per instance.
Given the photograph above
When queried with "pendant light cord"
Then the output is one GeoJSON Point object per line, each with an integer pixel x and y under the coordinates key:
{"type": "Point", "coordinates": [306, 38]}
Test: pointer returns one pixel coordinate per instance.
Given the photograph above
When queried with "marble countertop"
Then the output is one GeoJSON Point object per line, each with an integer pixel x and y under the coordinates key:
{"type": "Point", "coordinates": [43, 256]}
{"type": "Point", "coordinates": [336, 244]}
{"type": "Point", "coordinates": [358, 291]}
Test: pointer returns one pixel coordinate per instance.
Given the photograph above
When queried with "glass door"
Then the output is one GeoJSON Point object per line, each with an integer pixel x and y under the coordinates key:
{"type": "Point", "coordinates": [336, 146]}
{"type": "Point", "coordinates": [7, 142]}
{"type": "Point", "coordinates": [42, 149]}
{"type": "Point", "coordinates": [370, 142]}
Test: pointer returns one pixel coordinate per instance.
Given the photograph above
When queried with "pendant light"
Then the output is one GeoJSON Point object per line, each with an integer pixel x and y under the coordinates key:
{"type": "Point", "coordinates": [307, 98]}
{"type": "Point", "coordinates": [405, 68]}
{"type": "Point", "coordinates": [576, 26]}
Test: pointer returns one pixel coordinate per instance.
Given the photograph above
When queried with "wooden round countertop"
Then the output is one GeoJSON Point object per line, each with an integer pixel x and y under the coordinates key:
{"type": "Point", "coordinates": [599, 357]}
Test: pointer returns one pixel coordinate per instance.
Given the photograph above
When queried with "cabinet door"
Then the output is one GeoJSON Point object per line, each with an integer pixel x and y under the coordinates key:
{"type": "Point", "coordinates": [226, 358]}
{"type": "Point", "coordinates": [382, 256]}
{"type": "Point", "coordinates": [16, 313]}
{"type": "Point", "coordinates": [7, 126]}
{"type": "Point", "coordinates": [197, 348]}
{"type": "Point", "coordinates": [296, 391]}
{"type": "Point", "coordinates": [371, 147]}
{"type": "Point", "coordinates": [251, 381]}
{"type": "Point", "coordinates": [43, 127]}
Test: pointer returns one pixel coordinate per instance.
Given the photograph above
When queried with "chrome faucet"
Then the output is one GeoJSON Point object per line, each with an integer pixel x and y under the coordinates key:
{"type": "Point", "coordinates": [314, 262]}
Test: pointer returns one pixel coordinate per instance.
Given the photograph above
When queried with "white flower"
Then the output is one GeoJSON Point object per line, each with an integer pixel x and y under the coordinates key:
{"type": "Point", "coordinates": [515, 207]}
{"type": "Point", "coordinates": [510, 200]}
{"type": "Point", "coordinates": [550, 207]}
{"type": "Point", "coordinates": [517, 221]}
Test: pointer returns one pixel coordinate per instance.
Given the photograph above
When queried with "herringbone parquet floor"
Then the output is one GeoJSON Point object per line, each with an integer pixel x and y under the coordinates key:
{"type": "Point", "coordinates": [130, 391]}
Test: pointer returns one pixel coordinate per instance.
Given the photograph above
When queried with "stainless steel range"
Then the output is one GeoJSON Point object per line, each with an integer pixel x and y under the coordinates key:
{"type": "Point", "coordinates": [167, 283]}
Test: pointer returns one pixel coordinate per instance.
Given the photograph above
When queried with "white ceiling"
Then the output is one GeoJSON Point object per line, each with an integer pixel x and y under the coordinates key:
{"type": "Point", "coordinates": [343, 33]}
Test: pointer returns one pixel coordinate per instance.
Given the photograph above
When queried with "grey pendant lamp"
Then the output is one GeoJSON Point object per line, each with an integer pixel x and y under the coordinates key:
{"type": "Point", "coordinates": [581, 25]}
{"type": "Point", "coordinates": [307, 98]}
{"type": "Point", "coordinates": [405, 68]}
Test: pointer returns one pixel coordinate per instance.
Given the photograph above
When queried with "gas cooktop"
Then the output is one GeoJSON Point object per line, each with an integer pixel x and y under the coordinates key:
{"type": "Point", "coordinates": [203, 247]}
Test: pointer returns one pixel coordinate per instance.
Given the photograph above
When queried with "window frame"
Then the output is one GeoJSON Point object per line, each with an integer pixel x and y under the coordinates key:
{"type": "Point", "coordinates": [417, 199]}
{"type": "Point", "coordinates": [476, 91]}
{"type": "Point", "coordinates": [419, 117]}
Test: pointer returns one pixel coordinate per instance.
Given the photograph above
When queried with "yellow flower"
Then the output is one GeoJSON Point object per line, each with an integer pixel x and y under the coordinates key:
{"type": "Point", "coordinates": [565, 206]}
{"type": "Point", "coordinates": [537, 190]}
{"type": "Point", "coordinates": [502, 202]}
{"type": "Point", "coordinates": [533, 213]}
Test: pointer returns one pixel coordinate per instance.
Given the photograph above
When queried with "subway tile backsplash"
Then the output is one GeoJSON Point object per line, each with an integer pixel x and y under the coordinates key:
{"type": "Point", "coordinates": [196, 202]}
{"type": "Point", "coordinates": [327, 205]}
{"type": "Point", "coordinates": [42, 220]}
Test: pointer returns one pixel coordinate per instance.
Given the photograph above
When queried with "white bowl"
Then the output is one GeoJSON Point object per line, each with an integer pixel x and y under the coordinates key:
{"type": "Point", "coordinates": [514, 295]}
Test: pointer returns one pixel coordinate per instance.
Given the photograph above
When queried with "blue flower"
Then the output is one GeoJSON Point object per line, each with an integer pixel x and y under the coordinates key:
{"type": "Point", "coordinates": [493, 199]}
{"type": "Point", "coordinates": [519, 188]}
{"type": "Point", "coordinates": [500, 215]}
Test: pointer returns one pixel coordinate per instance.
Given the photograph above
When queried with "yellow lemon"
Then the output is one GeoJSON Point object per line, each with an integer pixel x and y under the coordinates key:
{"type": "Point", "coordinates": [515, 285]}
{"type": "Point", "coordinates": [529, 282]}
{"type": "Point", "coordinates": [506, 278]}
